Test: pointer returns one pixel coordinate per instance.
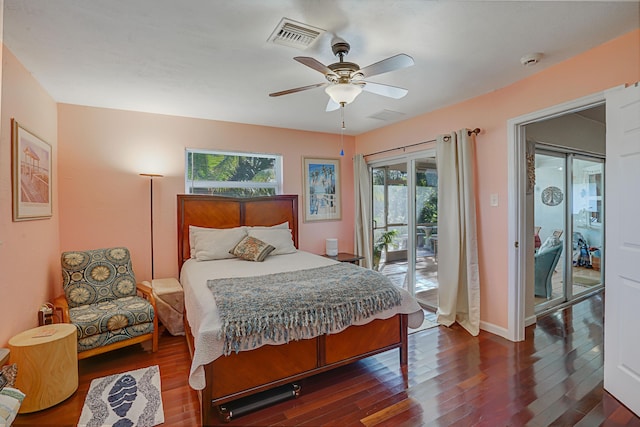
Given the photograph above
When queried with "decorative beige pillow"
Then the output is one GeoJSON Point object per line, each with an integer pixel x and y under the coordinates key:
{"type": "Point", "coordinates": [9, 372]}
{"type": "Point", "coordinates": [215, 243]}
{"type": "Point", "coordinates": [252, 249]}
{"type": "Point", "coordinates": [279, 238]}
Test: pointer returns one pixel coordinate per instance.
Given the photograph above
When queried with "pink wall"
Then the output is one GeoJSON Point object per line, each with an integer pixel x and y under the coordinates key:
{"type": "Point", "coordinates": [104, 201]}
{"type": "Point", "coordinates": [611, 64]}
{"type": "Point", "coordinates": [29, 256]}
{"type": "Point", "coordinates": [101, 200]}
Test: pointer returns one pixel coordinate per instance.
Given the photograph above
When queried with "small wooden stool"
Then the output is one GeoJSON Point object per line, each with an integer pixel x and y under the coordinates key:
{"type": "Point", "coordinates": [47, 359]}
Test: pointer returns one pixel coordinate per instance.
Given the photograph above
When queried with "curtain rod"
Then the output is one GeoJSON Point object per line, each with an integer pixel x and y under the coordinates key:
{"type": "Point", "coordinates": [446, 138]}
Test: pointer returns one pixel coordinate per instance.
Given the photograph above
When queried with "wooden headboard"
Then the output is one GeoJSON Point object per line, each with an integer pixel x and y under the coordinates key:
{"type": "Point", "coordinates": [229, 212]}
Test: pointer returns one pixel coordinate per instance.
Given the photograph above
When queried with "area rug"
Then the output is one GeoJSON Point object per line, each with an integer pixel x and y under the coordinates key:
{"type": "Point", "coordinates": [124, 400]}
{"type": "Point", "coordinates": [428, 297]}
{"type": "Point", "coordinates": [426, 324]}
{"type": "Point", "coordinates": [585, 281]}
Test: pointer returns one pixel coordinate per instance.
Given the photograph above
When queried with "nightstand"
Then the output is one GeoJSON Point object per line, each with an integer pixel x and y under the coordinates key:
{"type": "Point", "coordinates": [345, 257]}
{"type": "Point", "coordinates": [170, 303]}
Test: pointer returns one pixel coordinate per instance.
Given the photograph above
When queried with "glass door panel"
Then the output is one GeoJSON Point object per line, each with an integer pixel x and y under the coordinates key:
{"type": "Point", "coordinates": [426, 232]}
{"type": "Point", "coordinates": [549, 218]}
{"type": "Point", "coordinates": [390, 222]}
{"type": "Point", "coordinates": [587, 219]}
{"type": "Point", "coordinates": [379, 208]}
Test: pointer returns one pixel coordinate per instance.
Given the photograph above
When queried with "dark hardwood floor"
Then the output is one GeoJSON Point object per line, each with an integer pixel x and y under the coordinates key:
{"type": "Point", "coordinates": [454, 379]}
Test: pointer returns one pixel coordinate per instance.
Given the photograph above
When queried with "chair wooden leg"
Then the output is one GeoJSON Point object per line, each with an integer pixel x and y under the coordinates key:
{"type": "Point", "coordinates": [154, 341]}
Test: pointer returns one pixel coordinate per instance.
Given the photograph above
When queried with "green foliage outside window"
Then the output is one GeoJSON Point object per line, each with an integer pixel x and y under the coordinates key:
{"type": "Point", "coordinates": [220, 167]}
{"type": "Point", "coordinates": [231, 174]}
{"type": "Point", "coordinates": [429, 211]}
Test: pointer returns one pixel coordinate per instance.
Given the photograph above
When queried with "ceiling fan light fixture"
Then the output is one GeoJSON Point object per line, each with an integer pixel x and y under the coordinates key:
{"type": "Point", "coordinates": [343, 92]}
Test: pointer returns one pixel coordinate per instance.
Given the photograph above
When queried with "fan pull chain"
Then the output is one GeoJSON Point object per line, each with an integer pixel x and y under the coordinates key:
{"type": "Point", "coordinates": [342, 128]}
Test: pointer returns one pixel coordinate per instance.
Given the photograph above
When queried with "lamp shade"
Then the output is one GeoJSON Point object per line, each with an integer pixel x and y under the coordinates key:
{"type": "Point", "coordinates": [331, 248]}
{"type": "Point", "coordinates": [343, 92]}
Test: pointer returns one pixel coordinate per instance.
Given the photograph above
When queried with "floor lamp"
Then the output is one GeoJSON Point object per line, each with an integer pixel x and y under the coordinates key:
{"type": "Point", "coordinates": [151, 176]}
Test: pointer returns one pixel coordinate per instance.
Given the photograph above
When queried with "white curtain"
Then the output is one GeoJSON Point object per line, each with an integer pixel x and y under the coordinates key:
{"type": "Point", "coordinates": [362, 182]}
{"type": "Point", "coordinates": [458, 281]}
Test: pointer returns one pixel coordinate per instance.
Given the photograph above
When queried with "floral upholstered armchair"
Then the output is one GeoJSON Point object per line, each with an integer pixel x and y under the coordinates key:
{"type": "Point", "coordinates": [101, 300]}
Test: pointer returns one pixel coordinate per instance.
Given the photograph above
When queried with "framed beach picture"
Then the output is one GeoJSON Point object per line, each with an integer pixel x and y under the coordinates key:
{"type": "Point", "coordinates": [31, 171]}
{"type": "Point", "coordinates": [321, 189]}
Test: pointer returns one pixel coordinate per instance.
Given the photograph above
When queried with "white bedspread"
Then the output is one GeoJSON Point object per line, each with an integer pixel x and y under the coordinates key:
{"type": "Point", "coordinates": [201, 307]}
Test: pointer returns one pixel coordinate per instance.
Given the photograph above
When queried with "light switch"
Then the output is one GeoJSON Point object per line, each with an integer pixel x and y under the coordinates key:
{"type": "Point", "coordinates": [494, 199]}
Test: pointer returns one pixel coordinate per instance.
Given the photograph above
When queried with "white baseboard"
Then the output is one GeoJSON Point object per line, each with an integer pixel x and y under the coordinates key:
{"type": "Point", "coordinates": [494, 329]}
{"type": "Point", "coordinates": [531, 320]}
{"type": "Point", "coordinates": [503, 332]}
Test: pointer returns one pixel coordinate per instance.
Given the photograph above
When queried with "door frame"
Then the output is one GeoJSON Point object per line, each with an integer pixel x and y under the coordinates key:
{"type": "Point", "coordinates": [518, 238]}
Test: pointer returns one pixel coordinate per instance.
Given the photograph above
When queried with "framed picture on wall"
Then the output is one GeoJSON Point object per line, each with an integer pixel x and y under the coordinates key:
{"type": "Point", "coordinates": [31, 172]}
{"type": "Point", "coordinates": [321, 185]}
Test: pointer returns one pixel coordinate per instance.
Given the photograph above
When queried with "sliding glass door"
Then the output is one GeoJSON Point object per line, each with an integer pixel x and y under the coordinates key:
{"type": "Point", "coordinates": [568, 212]}
{"type": "Point", "coordinates": [405, 223]}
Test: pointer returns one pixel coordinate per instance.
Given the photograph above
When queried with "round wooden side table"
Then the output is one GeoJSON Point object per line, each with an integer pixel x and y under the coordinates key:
{"type": "Point", "coordinates": [47, 359]}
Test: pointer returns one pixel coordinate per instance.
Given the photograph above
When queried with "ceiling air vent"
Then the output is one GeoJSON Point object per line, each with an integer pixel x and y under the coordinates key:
{"type": "Point", "coordinates": [387, 115]}
{"type": "Point", "coordinates": [295, 34]}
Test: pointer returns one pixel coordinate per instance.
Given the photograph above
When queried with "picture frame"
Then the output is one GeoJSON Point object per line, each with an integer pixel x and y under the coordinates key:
{"type": "Point", "coordinates": [321, 184]}
{"type": "Point", "coordinates": [31, 175]}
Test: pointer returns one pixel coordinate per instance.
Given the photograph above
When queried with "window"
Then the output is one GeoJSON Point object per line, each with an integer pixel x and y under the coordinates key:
{"type": "Point", "coordinates": [232, 174]}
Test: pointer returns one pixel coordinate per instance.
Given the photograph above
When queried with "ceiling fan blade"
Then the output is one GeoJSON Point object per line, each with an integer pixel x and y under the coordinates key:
{"type": "Point", "coordinates": [298, 89]}
{"type": "Point", "coordinates": [385, 90]}
{"type": "Point", "coordinates": [332, 105]}
{"type": "Point", "coordinates": [312, 63]}
{"type": "Point", "coordinates": [393, 63]}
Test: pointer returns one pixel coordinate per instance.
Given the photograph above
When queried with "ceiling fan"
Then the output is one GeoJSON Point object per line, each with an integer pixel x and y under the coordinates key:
{"type": "Point", "coordinates": [346, 80]}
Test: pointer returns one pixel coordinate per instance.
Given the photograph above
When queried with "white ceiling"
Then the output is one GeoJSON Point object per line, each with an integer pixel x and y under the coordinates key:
{"type": "Point", "coordinates": [210, 58]}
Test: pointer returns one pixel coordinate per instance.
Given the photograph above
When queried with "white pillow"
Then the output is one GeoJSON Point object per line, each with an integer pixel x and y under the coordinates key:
{"type": "Point", "coordinates": [549, 243]}
{"type": "Point", "coordinates": [284, 225]}
{"type": "Point", "coordinates": [279, 238]}
{"type": "Point", "coordinates": [192, 238]}
{"type": "Point", "coordinates": [193, 230]}
{"type": "Point", "coordinates": [215, 243]}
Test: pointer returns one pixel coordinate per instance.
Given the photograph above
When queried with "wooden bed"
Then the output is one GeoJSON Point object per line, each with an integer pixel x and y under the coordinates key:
{"type": "Point", "coordinates": [248, 372]}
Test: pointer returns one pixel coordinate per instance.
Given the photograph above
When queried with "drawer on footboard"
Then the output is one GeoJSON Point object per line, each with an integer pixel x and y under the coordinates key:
{"type": "Point", "coordinates": [249, 369]}
{"type": "Point", "coordinates": [359, 340]}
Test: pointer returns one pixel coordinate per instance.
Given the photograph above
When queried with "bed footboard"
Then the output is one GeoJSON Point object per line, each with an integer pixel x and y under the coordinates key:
{"type": "Point", "coordinates": [249, 372]}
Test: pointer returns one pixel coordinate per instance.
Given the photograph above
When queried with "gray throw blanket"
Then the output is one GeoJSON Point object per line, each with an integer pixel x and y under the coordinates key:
{"type": "Point", "coordinates": [299, 304]}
